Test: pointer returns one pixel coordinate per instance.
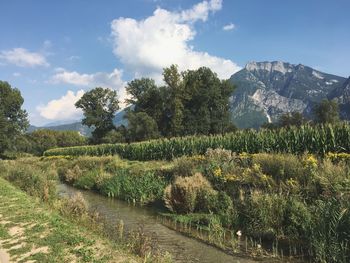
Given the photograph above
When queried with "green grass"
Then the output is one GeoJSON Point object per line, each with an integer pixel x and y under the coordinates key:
{"type": "Point", "coordinates": [31, 231]}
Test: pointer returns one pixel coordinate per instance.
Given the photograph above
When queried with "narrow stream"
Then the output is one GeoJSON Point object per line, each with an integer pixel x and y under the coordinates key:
{"type": "Point", "coordinates": [182, 248]}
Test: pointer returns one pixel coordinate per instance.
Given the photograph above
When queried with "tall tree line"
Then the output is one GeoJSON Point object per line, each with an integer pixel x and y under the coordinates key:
{"type": "Point", "coordinates": [189, 102]}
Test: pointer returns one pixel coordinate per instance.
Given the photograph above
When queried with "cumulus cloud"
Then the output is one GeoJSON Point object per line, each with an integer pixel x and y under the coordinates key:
{"type": "Point", "coordinates": [228, 27]}
{"type": "Point", "coordinates": [62, 108]}
{"type": "Point", "coordinates": [111, 80]}
{"type": "Point", "coordinates": [23, 58]}
{"type": "Point", "coordinates": [147, 46]}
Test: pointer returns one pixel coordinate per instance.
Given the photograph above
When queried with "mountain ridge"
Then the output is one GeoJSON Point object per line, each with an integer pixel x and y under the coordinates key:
{"type": "Point", "coordinates": [265, 90]}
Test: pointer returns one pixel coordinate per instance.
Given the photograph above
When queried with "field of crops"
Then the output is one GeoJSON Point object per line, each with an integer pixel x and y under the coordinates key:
{"type": "Point", "coordinates": [313, 139]}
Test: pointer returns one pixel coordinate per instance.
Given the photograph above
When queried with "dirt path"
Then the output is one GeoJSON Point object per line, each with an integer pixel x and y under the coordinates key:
{"type": "Point", "coordinates": [4, 256]}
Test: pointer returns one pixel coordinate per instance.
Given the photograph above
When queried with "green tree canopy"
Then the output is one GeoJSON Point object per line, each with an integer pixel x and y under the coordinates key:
{"type": "Point", "coordinates": [291, 119]}
{"type": "Point", "coordinates": [141, 126]}
{"type": "Point", "coordinates": [206, 102]}
{"type": "Point", "coordinates": [190, 102]}
{"type": "Point", "coordinates": [13, 119]}
{"type": "Point", "coordinates": [44, 139]}
{"type": "Point", "coordinates": [327, 111]}
{"type": "Point", "coordinates": [99, 106]}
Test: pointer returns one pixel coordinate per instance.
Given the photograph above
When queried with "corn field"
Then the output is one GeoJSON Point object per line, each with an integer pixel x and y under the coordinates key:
{"type": "Point", "coordinates": [318, 140]}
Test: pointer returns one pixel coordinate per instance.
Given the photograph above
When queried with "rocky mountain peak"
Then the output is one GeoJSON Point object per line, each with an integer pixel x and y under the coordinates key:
{"type": "Point", "coordinates": [279, 66]}
{"type": "Point", "coordinates": [265, 90]}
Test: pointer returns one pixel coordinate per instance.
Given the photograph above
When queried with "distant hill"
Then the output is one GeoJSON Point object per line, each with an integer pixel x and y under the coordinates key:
{"type": "Point", "coordinates": [265, 90]}
{"type": "Point", "coordinates": [78, 126]}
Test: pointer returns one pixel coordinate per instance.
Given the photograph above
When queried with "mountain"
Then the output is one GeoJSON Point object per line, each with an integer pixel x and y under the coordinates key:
{"type": "Point", "coordinates": [342, 95]}
{"type": "Point", "coordinates": [78, 126]}
{"type": "Point", "coordinates": [265, 90]}
{"type": "Point", "coordinates": [59, 123]}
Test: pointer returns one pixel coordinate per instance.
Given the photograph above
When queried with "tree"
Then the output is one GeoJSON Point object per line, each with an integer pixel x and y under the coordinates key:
{"type": "Point", "coordinates": [291, 119]}
{"type": "Point", "coordinates": [327, 111]}
{"type": "Point", "coordinates": [116, 136]}
{"type": "Point", "coordinates": [99, 106]}
{"type": "Point", "coordinates": [147, 97]}
{"type": "Point", "coordinates": [44, 139]}
{"type": "Point", "coordinates": [141, 126]}
{"type": "Point", "coordinates": [206, 102]}
{"type": "Point", "coordinates": [190, 102]}
{"type": "Point", "coordinates": [13, 119]}
{"type": "Point", "coordinates": [174, 82]}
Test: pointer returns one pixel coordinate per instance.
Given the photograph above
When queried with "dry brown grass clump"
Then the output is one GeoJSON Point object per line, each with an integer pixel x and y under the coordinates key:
{"type": "Point", "coordinates": [182, 196]}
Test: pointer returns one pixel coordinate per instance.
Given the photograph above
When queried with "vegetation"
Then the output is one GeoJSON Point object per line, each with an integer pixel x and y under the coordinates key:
{"type": "Point", "coordinates": [99, 106]}
{"type": "Point", "coordinates": [327, 111]}
{"type": "Point", "coordinates": [301, 202]}
{"type": "Point", "coordinates": [13, 119]}
{"type": "Point", "coordinates": [57, 224]}
{"type": "Point", "coordinates": [319, 140]}
{"type": "Point", "coordinates": [141, 127]}
{"type": "Point", "coordinates": [43, 139]}
{"type": "Point", "coordinates": [31, 232]}
{"type": "Point", "coordinates": [190, 102]}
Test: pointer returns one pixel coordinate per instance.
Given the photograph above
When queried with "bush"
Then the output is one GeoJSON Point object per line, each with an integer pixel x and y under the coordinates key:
{"type": "Point", "coordinates": [71, 175]}
{"type": "Point", "coordinates": [332, 179]}
{"type": "Point", "coordinates": [280, 166]}
{"type": "Point", "coordinates": [128, 186]}
{"type": "Point", "coordinates": [330, 233]}
{"type": "Point", "coordinates": [262, 215]}
{"type": "Point", "coordinates": [188, 194]}
{"type": "Point", "coordinates": [87, 180]}
{"type": "Point", "coordinates": [38, 181]}
{"type": "Point", "coordinates": [187, 166]}
{"type": "Point", "coordinates": [75, 206]}
{"type": "Point", "coordinates": [297, 219]}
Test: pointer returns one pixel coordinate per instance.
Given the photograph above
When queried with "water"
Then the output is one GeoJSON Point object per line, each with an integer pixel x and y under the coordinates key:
{"type": "Point", "coordinates": [181, 248]}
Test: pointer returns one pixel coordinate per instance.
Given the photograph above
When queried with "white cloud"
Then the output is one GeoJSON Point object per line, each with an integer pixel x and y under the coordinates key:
{"type": "Point", "coordinates": [147, 46]}
{"type": "Point", "coordinates": [73, 58]}
{"type": "Point", "coordinates": [62, 108]}
{"type": "Point", "coordinates": [23, 58]}
{"type": "Point", "coordinates": [111, 80]}
{"type": "Point", "coordinates": [16, 74]}
{"type": "Point", "coordinates": [200, 11]}
{"type": "Point", "coordinates": [228, 27]}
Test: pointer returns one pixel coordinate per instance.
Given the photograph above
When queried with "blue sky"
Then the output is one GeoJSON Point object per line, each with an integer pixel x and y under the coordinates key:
{"type": "Point", "coordinates": [54, 51]}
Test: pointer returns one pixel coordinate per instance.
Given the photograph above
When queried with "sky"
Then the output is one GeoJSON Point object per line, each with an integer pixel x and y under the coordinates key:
{"type": "Point", "coordinates": [54, 51]}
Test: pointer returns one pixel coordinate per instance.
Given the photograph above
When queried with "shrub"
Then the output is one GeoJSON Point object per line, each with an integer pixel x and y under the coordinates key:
{"type": "Point", "coordinates": [128, 186]}
{"type": "Point", "coordinates": [75, 206]}
{"type": "Point", "coordinates": [35, 180]}
{"type": "Point", "coordinates": [87, 180]}
{"type": "Point", "coordinates": [280, 166]}
{"type": "Point", "coordinates": [297, 219]}
{"type": "Point", "coordinates": [332, 178]}
{"type": "Point", "coordinates": [330, 233]}
{"type": "Point", "coordinates": [185, 193]}
{"type": "Point", "coordinates": [71, 175]}
{"type": "Point", "coordinates": [262, 215]}
{"type": "Point", "coordinates": [187, 166]}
